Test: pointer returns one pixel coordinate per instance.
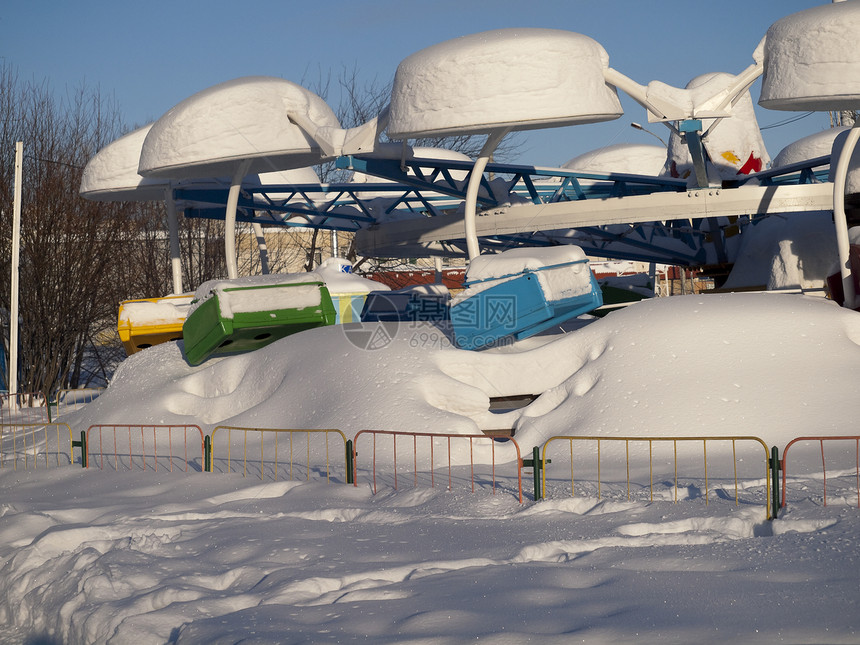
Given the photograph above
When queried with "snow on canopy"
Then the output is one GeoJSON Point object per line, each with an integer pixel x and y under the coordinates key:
{"type": "Point", "coordinates": [210, 133]}
{"type": "Point", "coordinates": [111, 175]}
{"type": "Point", "coordinates": [811, 59]}
{"type": "Point", "coordinates": [734, 145]}
{"type": "Point", "coordinates": [517, 78]}
{"type": "Point", "coordinates": [809, 147]}
{"type": "Point", "coordinates": [629, 158]}
{"type": "Point", "coordinates": [710, 365]}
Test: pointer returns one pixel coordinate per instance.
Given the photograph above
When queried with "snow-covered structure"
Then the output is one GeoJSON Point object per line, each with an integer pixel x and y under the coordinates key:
{"type": "Point", "coordinates": [449, 88]}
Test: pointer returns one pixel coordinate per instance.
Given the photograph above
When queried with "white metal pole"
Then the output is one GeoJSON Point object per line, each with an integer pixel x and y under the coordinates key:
{"type": "Point", "coordinates": [230, 219]}
{"type": "Point", "coordinates": [840, 179]}
{"type": "Point", "coordinates": [471, 204]}
{"type": "Point", "coordinates": [16, 253]}
{"type": "Point", "coordinates": [261, 247]}
{"type": "Point", "coordinates": [173, 232]}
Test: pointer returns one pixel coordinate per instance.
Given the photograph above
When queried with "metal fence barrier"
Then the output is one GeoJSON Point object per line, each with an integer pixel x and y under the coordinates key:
{"type": "Point", "coordinates": [24, 407]}
{"type": "Point", "coordinates": [275, 462]}
{"type": "Point", "coordinates": [35, 444]}
{"type": "Point", "coordinates": [704, 441]}
{"type": "Point", "coordinates": [139, 442]}
{"type": "Point", "coordinates": [31, 443]}
{"type": "Point", "coordinates": [432, 437]}
{"type": "Point", "coordinates": [821, 441]}
{"type": "Point", "coordinates": [71, 400]}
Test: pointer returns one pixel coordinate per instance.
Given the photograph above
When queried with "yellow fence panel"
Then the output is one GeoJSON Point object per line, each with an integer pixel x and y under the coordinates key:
{"type": "Point", "coordinates": [71, 400]}
{"type": "Point", "coordinates": [610, 453]}
{"type": "Point", "coordinates": [33, 446]}
{"type": "Point", "coordinates": [23, 407]}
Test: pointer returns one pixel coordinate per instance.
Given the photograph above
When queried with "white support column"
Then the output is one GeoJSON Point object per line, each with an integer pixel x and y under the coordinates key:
{"type": "Point", "coordinates": [230, 219]}
{"type": "Point", "coordinates": [16, 252]}
{"type": "Point", "coordinates": [173, 233]}
{"type": "Point", "coordinates": [471, 203]}
{"type": "Point", "coordinates": [261, 245]}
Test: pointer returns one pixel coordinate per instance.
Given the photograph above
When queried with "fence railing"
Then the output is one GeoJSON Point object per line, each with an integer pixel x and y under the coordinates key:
{"type": "Point", "coordinates": [23, 407]}
{"type": "Point", "coordinates": [829, 440]}
{"type": "Point", "coordinates": [701, 470]}
{"type": "Point", "coordinates": [280, 455]}
{"type": "Point", "coordinates": [36, 445]}
{"type": "Point", "coordinates": [128, 445]}
{"type": "Point", "coordinates": [445, 461]}
{"type": "Point", "coordinates": [428, 456]}
{"type": "Point", "coordinates": [72, 399]}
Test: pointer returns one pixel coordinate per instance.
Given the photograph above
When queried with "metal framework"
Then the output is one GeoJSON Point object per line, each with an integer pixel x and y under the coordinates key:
{"type": "Point", "coordinates": [416, 211]}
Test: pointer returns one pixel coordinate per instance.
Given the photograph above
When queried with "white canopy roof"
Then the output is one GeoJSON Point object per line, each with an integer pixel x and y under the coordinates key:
{"type": "Point", "coordinates": [210, 133]}
{"type": "Point", "coordinates": [811, 59]}
{"type": "Point", "coordinates": [515, 78]}
{"type": "Point", "coordinates": [111, 175]}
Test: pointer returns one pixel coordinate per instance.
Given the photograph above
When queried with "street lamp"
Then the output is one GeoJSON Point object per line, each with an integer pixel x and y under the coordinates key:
{"type": "Point", "coordinates": [638, 126]}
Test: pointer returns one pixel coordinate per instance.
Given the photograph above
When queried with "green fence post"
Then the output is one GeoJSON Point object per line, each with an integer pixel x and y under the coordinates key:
{"type": "Point", "coordinates": [82, 444]}
{"type": "Point", "coordinates": [536, 470]}
{"type": "Point", "coordinates": [774, 481]}
{"type": "Point", "coordinates": [536, 465]}
{"type": "Point", "coordinates": [207, 454]}
{"type": "Point", "coordinates": [350, 474]}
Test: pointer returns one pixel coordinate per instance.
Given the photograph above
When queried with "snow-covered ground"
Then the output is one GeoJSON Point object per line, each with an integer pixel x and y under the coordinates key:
{"type": "Point", "coordinates": [92, 556]}
{"type": "Point", "coordinates": [96, 557]}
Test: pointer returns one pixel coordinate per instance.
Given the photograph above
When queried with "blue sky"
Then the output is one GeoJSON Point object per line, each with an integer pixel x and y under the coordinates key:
{"type": "Point", "coordinates": [149, 56]}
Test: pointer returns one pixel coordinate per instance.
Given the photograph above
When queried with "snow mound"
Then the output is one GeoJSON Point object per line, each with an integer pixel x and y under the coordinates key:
{"type": "Point", "coordinates": [734, 364]}
{"type": "Point", "coordinates": [696, 365]}
{"type": "Point", "coordinates": [811, 59]}
{"type": "Point", "coordinates": [517, 78]}
{"type": "Point", "coordinates": [209, 133]}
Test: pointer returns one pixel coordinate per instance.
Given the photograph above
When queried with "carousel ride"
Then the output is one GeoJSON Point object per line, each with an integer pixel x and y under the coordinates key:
{"type": "Point", "coordinates": [242, 151]}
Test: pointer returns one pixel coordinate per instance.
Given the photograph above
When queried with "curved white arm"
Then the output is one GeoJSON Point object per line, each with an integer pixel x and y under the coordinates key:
{"type": "Point", "coordinates": [471, 204]}
{"type": "Point", "coordinates": [710, 100]}
{"type": "Point", "coordinates": [230, 219]}
{"type": "Point", "coordinates": [840, 180]}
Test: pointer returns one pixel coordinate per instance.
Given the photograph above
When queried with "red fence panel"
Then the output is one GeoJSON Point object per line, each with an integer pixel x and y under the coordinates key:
{"type": "Point", "coordinates": [855, 439]}
{"type": "Point", "coordinates": [427, 449]}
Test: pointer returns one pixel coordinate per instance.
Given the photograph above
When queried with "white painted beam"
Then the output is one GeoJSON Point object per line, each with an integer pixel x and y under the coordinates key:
{"type": "Point", "coordinates": [666, 206]}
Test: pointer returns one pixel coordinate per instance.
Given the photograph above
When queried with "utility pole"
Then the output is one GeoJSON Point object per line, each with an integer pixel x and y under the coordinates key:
{"type": "Point", "coordinates": [16, 252]}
